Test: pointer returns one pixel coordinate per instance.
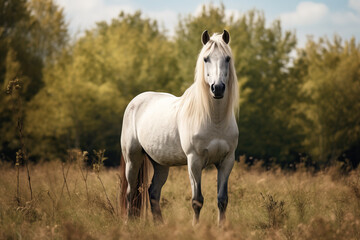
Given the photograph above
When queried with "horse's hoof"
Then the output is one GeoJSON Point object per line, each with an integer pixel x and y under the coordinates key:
{"type": "Point", "coordinates": [195, 221]}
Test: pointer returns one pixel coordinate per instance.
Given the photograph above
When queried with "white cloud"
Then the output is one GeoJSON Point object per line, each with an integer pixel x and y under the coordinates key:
{"type": "Point", "coordinates": [83, 14]}
{"type": "Point", "coordinates": [316, 20]}
{"type": "Point", "coordinates": [348, 18]}
{"type": "Point", "coordinates": [306, 13]}
{"type": "Point", "coordinates": [355, 4]}
{"type": "Point", "coordinates": [344, 18]}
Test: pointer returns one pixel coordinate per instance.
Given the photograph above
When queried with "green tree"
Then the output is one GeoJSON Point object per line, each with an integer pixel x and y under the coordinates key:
{"type": "Point", "coordinates": [331, 93]}
{"type": "Point", "coordinates": [268, 89]}
{"type": "Point", "coordinates": [49, 31]}
{"type": "Point", "coordinates": [89, 86]}
{"type": "Point", "coordinates": [13, 63]}
{"type": "Point", "coordinates": [23, 55]}
{"type": "Point", "coordinates": [70, 113]}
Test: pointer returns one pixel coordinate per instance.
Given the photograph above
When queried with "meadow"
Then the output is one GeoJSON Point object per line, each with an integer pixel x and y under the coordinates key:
{"type": "Point", "coordinates": [71, 201]}
{"type": "Point", "coordinates": [66, 92]}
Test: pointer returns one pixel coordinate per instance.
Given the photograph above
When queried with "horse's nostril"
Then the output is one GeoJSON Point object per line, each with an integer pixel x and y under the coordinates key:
{"type": "Point", "coordinates": [218, 89]}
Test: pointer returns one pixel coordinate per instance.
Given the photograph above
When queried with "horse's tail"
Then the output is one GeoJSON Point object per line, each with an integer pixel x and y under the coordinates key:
{"type": "Point", "coordinates": [141, 201]}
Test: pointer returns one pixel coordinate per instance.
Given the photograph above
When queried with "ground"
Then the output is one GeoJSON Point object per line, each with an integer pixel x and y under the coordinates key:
{"type": "Point", "coordinates": [262, 205]}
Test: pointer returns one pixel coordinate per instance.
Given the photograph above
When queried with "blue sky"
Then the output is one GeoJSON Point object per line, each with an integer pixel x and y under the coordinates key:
{"type": "Point", "coordinates": [315, 18]}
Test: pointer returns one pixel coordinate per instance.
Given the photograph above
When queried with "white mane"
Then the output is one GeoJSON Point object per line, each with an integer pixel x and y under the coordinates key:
{"type": "Point", "coordinates": [196, 102]}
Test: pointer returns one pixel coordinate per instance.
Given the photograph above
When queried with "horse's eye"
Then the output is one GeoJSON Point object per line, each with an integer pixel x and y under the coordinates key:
{"type": "Point", "coordinates": [206, 59]}
{"type": "Point", "coordinates": [227, 59]}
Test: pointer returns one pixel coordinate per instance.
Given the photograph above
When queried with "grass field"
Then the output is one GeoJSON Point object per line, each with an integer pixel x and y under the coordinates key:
{"type": "Point", "coordinates": [262, 205]}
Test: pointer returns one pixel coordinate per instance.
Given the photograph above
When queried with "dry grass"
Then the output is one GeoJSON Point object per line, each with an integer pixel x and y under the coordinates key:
{"type": "Point", "coordinates": [262, 205]}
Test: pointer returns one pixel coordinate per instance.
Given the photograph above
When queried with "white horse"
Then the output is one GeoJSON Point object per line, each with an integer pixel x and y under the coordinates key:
{"type": "Point", "coordinates": [197, 129]}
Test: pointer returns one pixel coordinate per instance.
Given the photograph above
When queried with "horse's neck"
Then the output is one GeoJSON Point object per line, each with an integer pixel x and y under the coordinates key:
{"type": "Point", "coordinates": [218, 110]}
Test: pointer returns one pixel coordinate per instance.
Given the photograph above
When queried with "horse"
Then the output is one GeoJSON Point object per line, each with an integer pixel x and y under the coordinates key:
{"type": "Point", "coordinates": [197, 129]}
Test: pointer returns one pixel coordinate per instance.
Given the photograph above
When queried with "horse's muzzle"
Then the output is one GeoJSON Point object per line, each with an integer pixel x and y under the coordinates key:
{"type": "Point", "coordinates": [218, 90]}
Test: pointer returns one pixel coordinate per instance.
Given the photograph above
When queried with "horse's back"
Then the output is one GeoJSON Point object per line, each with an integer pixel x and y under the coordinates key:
{"type": "Point", "coordinates": [150, 121]}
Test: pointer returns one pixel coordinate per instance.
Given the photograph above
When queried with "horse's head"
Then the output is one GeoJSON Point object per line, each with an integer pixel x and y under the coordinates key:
{"type": "Point", "coordinates": [215, 83]}
{"type": "Point", "coordinates": [216, 63]}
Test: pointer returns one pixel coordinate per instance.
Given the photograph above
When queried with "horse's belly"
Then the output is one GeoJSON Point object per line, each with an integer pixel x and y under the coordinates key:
{"type": "Point", "coordinates": [167, 155]}
{"type": "Point", "coordinates": [158, 133]}
{"type": "Point", "coordinates": [164, 148]}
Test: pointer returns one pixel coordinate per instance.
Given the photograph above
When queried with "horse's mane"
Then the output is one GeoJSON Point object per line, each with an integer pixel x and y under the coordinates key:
{"type": "Point", "coordinates": [196, 102]}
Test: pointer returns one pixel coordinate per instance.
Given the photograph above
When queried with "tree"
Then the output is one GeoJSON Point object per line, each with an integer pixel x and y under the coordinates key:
{"type": "Point", "coordinates": [90, 85]}
{"type": "Point", "coordinates": [13, 61]}
{"type": "Point", "coordinates": [332, 93]}
{"type": "Point", "coordinates": [262, 61]}
{"type": "Point", "coordinates": [23, 55]}
{"type": "Point", "coordinates": [268, 89]}
{"type": "Point", "coordinates": [49, 31]}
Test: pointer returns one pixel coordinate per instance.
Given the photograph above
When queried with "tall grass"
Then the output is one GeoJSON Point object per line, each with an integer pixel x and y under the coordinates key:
{"type": "Point", "coordinates": [262, 205]}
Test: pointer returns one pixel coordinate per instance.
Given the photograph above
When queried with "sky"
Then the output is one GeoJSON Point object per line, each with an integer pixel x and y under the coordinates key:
{"type": "Point", "coordinates": [307, 18]}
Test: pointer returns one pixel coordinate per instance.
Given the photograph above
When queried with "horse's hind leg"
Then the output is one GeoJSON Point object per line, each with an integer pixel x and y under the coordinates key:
{"type": "Point", "coordinates": [133, 159]}
{"type": "Point", "coordinates": [160, 175]}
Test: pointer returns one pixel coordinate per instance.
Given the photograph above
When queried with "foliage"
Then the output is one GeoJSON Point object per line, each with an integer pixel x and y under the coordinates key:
{"type": "Point", "coordinates": [48, 30]}
{"type": "Point", "coordinates": [332, 97]}
{"type": "Point", "coordinates": [29, 38]}
{"type": "Point", "coordinates": [87, 90]}
{"type": "Point", "coordinates": [268, 91]}
{"type": "Point", "coordinates": [292, 107]}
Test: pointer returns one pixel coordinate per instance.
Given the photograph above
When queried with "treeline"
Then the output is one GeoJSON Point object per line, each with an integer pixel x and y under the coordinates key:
{"type": "Point", "coordinates": [74, 92]}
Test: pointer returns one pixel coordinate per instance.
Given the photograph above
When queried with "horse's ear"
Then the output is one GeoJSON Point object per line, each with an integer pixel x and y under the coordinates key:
{"type": "Point", "coordinates": [226, 37]}
{"type": "Point", "coordinates": [205, 37]}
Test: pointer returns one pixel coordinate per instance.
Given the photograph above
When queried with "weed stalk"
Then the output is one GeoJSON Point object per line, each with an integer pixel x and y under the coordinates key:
{"type": "Point", "coordinates": [82, 161]}
{"type": "Point", "coordinates": [15, 84]}
{"type": "Point", "coordinates": [97, 166]}
{"type": "Point", "coordinates": [17, 164]}
{"type": "Point", "coordinates": [65, 179]}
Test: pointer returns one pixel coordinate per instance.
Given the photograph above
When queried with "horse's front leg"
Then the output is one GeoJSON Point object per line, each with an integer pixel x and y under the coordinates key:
{"type": "Point", "coordinates": [195, 166]}
{"type": "Point", "coordinates": [224, 169]}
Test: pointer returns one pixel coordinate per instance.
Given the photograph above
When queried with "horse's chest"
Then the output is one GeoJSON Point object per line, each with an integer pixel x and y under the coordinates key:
{"type": "Point", "coordinates": [212, 148]}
